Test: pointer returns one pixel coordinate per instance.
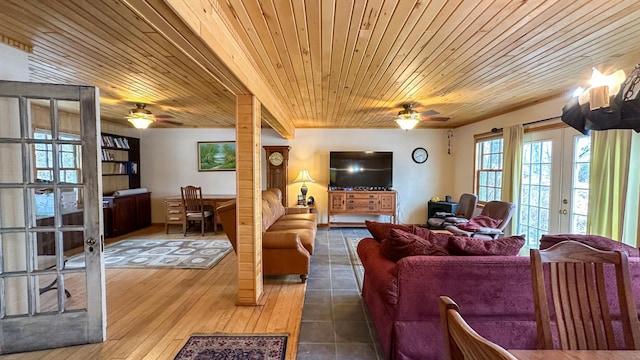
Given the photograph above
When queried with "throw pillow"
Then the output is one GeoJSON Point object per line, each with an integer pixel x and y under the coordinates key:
{"type": "Point", "coordinates": [460, 245]}
{"type": "Point", "coordinates": [433, 237]}
{"type": "Point", "coordinates": [401, 244]}
{"type": "Point", "coordinates": [596, 241]}
{"type": "Point", "coordinates": [480, 221]}
{"type": "Point", "coordinates": [380, 230]}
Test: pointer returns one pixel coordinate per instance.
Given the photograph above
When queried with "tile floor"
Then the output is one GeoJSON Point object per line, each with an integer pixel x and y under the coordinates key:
{"type": "Point", "coordinates": [335, 321]}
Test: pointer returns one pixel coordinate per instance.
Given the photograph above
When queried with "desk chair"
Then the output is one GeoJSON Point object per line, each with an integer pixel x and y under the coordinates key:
{"type": "Point", "coordinates": [579, 300]}
{"type": "Point", "coordinates": [193, 208]}
{"type": "Point", "coordinates": [461, 341]}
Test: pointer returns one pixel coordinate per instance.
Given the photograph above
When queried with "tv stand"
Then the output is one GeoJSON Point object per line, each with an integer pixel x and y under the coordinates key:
{"type": "Point", "coordinates": [360, 202]}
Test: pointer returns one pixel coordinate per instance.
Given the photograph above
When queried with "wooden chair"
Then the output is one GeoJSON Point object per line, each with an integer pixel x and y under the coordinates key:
{"type": "Point", "coordinates": [461, 341]}
{"type": "Point", "coordinates": [580, 303]}
{"type": "Point", "coordinates": [193, 208]}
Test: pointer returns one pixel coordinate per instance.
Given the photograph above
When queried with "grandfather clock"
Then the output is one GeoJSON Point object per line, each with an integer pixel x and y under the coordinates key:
{"type": "Point", "coordinates": [277, 159]}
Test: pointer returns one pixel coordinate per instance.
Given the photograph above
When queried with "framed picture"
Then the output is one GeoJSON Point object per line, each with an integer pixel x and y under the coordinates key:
{"type": "Point", "coordinates": [216, 155]}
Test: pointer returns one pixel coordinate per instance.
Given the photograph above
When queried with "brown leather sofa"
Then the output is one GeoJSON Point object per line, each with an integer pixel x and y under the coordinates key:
{"type": "Point", "coordinates": [288, 234]}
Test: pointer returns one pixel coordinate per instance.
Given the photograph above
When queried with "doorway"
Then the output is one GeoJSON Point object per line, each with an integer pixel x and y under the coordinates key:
{"type": "Point", "coordinates": [554, 190]}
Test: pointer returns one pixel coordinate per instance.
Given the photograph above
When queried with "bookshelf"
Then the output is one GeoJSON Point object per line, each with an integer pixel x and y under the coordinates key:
{"type": "Point", "coordinates": [120, 163]}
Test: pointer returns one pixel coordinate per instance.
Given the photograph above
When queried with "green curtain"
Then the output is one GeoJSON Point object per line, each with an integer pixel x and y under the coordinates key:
{"type": "Point", "coordinates": [609, 183]}
{"type": "Point", "coordinates": [631, 227]}
{"type": "Point", "coordinates": [513, 138]}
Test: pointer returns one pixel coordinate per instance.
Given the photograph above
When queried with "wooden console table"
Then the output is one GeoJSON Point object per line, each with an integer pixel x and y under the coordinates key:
{"type": "Point", "coordinates": [360, 203]}
{"type": "Point", "coordinates": [175, 209]}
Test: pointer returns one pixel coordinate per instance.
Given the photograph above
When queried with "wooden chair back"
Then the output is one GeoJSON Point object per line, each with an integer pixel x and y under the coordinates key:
{"type": "Point", "coordinates": [577, 289]}
{"type": "Point", "coordinates": [193, 207]}
{"type": "Point", "coordinates": [192, 199]}
{"type": "Point", "coordinates": [461, 341]}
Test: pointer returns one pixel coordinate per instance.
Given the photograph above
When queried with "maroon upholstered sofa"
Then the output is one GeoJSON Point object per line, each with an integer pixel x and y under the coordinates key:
{"type": "Point", "coordinates": [494, 294]}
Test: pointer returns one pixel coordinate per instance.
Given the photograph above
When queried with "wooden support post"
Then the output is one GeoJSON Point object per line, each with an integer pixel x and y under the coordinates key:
{"type": "Point", "coordinates": [249, 200]}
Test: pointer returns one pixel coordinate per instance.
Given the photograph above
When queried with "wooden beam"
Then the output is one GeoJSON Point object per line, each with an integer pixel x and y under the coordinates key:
{"type": "Point", "coordinates": [249, 200]}
{"type": "Point", "coordinates": [200, 30]}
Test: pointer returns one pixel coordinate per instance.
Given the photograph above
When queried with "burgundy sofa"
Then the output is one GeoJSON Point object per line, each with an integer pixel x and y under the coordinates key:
{"type": "Point", "coordinates": [494, 294]}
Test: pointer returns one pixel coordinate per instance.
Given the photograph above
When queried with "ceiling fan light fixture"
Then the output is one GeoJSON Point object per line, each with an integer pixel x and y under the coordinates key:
{"type": "Point", "coordinates": [407, 124]}
{"type": "Point", "coordinates": [140, 117]}
{"type": "Point", "coordinates": [140, 122]}
{"type": "Point", "coordinates": [407, 118]}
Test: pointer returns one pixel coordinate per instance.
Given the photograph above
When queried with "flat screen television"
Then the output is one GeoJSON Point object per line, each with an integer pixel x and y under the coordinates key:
{"type": "Point", "coordinates": [361, 170]}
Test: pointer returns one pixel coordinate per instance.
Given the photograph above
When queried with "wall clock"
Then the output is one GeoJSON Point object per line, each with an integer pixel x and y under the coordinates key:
{"type": "Point", "coordinates": [276, 158]}
{"type": "Point", "coordinates": [419, 155]}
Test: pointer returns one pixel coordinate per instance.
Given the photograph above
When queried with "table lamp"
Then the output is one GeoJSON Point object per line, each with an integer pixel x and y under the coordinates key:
{"type": "Point", "coordinates": [304, 177]}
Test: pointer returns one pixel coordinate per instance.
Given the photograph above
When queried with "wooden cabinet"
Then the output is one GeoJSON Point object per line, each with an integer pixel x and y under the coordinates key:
{"type": "Point", "coordinates": [126, 213]}
{"type": "Point", "coordinates": [70, 239]}
{"type": "Point", "coordinates": [361, 203]}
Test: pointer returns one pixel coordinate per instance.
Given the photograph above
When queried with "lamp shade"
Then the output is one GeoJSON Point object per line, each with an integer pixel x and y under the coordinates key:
{"type": "Point", "coordinates": [140, 122]}
{"type": "Point", "coordinates": [406, 124]}
{"type": "Point", "coordinates": [303, 177]}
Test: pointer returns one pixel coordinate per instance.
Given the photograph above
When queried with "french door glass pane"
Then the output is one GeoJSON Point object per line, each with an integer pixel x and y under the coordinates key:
{"type": "Point", "coordinates": [580, 184]}
{"type": "Point", "coordinates": [535, 190]}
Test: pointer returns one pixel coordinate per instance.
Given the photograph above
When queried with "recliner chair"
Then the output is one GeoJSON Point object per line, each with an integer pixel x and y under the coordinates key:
{"type": "Point", "coordinates": [466, 206]}
{"type": "Point", "coordinates": [496, 210]}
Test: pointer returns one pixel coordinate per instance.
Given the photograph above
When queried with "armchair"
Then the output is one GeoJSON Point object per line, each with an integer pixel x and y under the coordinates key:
{"type": "Point", "coordinates": [466, 206]}
{"type": "Point", "coordinates": [490, 224]}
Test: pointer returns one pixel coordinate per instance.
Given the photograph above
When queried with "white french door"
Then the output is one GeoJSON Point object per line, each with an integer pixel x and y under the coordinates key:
{"type": "Point", "coordinates": [554, 189]}
{"type": "Point", "coordinates": [50, 202]}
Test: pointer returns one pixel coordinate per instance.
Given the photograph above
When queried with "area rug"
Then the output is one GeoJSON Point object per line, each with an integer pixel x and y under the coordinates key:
{"type": "Point", "coordinates": [169, 254]}
{"type": "Point", "coordinates": [358, 269]}
{"type": "Point", "coordinates": [234, 347]}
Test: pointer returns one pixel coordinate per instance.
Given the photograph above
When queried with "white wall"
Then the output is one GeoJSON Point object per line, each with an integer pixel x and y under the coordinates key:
{"type": "Point", "coordinates": [14, 64]}
{"type": "Point", "coordinates": [463, 140]}
{"type": "Point", "coordinates": [169, 160]}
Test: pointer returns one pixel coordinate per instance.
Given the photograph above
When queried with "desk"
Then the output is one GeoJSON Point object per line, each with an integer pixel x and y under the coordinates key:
{"type": "Point", "coordinates": [175, 209]}
{"type": "Point", "coordinates": [576, 354]}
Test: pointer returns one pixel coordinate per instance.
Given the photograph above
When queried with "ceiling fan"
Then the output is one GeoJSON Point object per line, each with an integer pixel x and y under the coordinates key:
{"type": "Point", "coordinates": [141, 118]}
{"type": "Point", "coordinates": [408, 118]}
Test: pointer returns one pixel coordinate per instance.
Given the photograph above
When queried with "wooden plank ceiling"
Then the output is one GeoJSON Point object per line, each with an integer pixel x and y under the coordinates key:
{"type": "Point", "coordinates": [333, 63]}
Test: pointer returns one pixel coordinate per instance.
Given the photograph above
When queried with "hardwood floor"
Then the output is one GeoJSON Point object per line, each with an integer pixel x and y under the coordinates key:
{"type": "Point", "coordinates": [151, 313]}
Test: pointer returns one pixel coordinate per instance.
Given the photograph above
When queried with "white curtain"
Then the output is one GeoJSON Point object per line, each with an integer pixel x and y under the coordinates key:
{"type": "Point", "coordinates": [513, 138]}
{"type": "Point", "coordinates": [614, 183]}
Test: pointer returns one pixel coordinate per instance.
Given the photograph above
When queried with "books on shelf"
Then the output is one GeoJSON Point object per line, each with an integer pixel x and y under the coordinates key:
{"type": "Point", "coordinates": [106, 155]}
{"type": "Point", "coordinates": [117, 142]}
{"type": "Point", "coordinates": [120, 168]}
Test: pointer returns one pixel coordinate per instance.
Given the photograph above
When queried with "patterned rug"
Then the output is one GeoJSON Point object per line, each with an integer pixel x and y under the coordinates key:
{"type": "Point", "coordinates": [149, 253]}
{"type": "Point", "coordinates": [358, 269]}
{"type": "Point", "coordinates": [234, 347]}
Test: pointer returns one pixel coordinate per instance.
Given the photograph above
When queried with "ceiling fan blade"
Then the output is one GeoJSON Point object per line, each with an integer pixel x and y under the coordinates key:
{"type": "Point", "coordinates": [436, 118]}
{"type": "Point", "coordinates": [430, 113]}
{"type": "Point", "coordinates": [164, 121]}
{"type": "Point", "coordinates": [163, 116]}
